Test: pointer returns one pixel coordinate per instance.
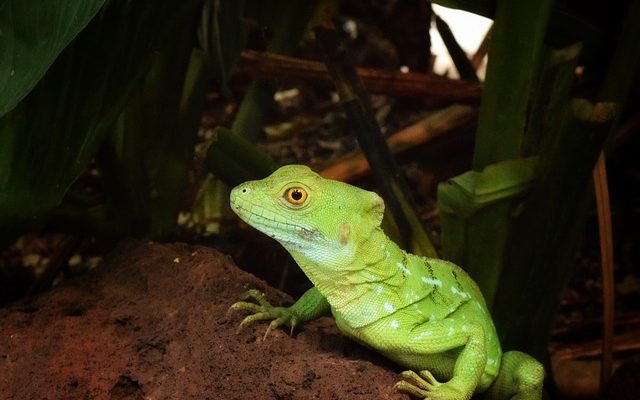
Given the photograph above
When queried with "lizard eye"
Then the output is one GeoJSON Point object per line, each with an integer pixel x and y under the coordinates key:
{"type": "Point", "coordinates": [296, 195]}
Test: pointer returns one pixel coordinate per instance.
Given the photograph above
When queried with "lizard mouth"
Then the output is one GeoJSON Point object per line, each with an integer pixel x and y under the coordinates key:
{"type": "Point", "coordinates": [281, 228]}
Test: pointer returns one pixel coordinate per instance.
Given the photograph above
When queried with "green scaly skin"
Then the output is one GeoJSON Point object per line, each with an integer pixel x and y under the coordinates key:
{"type": "Point", "coordinates": [425, 314]}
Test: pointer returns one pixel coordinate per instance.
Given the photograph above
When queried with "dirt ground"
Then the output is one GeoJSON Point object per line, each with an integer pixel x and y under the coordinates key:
{"type": "Point", "coordinates": [151, 323]}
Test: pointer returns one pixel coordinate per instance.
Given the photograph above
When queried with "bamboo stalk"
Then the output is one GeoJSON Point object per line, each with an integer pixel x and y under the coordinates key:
{"type": "Point", "coordinates": [354, 165]}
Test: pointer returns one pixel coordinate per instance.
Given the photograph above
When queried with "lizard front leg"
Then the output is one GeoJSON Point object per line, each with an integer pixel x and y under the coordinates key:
{"type": "Point", "coordinates": [433, 338]}
{"type": "Point", "coordinates": [311, 305]}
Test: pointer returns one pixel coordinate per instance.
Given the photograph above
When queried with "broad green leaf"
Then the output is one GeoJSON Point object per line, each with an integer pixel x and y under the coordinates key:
{"type": "Point", "coordinates": [32, 34]}
{"type": "Point", "coordinates": [148, 157]}
{"type": "Point", "coordinates": [465, 194]}
{"type": "Point", "coordinates": [50, 138]}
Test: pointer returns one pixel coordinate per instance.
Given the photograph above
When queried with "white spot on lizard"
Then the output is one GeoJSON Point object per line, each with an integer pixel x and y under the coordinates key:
{"type": "Point", "coordinates": [394, 324]}
{"type": "Point", "coordinates": [480, 307]}
{"type": "Point", "coordinates": [432, 281]}
{"type": "Point", "coordinates": [460, 293]}
{"type": "Point", "coordinates": [389, 307]}
{"type": "Point", "coordinates": [403, 268]}
{"type": "Point", "coordinates": [424, 334]}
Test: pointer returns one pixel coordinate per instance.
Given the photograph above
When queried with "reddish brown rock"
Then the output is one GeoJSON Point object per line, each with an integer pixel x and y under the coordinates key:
{"type": "Point", "coordinates": [151, 323]}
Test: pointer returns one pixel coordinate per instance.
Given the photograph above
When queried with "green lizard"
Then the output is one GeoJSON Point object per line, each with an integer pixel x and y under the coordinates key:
{"type": "Point", "coordinates": [425, 314]}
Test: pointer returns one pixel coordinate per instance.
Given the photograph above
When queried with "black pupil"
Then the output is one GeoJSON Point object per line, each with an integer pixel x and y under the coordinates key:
{"type": "Point", "coordinates": [296, 194]}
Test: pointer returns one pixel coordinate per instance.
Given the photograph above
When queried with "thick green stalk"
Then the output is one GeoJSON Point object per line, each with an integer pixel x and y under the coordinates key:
{"type": "Point", "coordinates": [514, 58]}
{"type": "Point", "coordinates": [514, 55]}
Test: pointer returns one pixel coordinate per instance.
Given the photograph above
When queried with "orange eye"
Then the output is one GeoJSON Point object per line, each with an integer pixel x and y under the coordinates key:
{"type": "Point", "coordinates": [296, 195]}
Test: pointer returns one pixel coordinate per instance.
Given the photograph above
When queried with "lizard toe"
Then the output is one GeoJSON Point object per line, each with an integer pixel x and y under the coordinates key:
{"type": "Point", "coordinates": [258, 296]}
{"type": "Point", "coordinates": [424, 385]}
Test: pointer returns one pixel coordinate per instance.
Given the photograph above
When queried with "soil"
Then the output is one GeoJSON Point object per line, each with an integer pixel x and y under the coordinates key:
{"type": "Point", "coordinates": [151, 323]}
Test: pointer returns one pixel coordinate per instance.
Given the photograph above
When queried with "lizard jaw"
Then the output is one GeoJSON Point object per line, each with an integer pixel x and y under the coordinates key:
{"type": "Point", "coordinates": [285, 230]}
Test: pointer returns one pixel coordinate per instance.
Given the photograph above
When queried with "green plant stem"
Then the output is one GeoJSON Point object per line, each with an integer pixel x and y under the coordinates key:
{"type": "Point", "coordinates": [514, 54]}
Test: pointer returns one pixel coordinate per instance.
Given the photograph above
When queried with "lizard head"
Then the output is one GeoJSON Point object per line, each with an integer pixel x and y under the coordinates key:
{"type": "Point", "coordinates": [308, 214]}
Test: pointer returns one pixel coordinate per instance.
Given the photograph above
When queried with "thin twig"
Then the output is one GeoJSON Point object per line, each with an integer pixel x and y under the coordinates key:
{"type": "Point", "coordinates": [482, 50]}
{"type": "Point", "coordinates": [606, 256]}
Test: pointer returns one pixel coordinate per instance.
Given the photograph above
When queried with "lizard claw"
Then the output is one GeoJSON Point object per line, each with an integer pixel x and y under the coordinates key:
{"type": "Point", "coordinates": [418, 385]}
{"type": "Point", "coordinates": [258, 296]}
{"type": "Point", "coordinates": [425, 386]}
{"type": "Point", "coordinates": [263, 310]}
{"type": "Point", "coordinates": [423, 379]}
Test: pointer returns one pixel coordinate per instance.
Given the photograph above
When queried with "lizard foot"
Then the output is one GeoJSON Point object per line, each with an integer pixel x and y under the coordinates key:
{"type": "Point", "coordinates": [261, 309]}
{"type": "Point", "coordinates": [425, 386]}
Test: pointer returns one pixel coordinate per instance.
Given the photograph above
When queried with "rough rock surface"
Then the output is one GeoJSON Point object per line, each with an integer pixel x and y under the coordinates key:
{"type": "Point", "coordinates": [151, 323]}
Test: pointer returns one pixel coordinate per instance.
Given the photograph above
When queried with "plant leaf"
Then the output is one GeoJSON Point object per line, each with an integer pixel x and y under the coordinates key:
{"type": "Point", "coordinates": [223, 37]}
{"type": "Point", "coordinates": [50, 138]}
{"type": "Point", "coordinates": [32, 34]}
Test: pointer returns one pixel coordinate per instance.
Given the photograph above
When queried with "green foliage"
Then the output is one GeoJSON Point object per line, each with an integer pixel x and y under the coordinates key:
{"type": "Point", "coordinates": [544, 239]}
{"type": "Point", "coordinates": [223, 37]}
{"type": "Point", "coordinates": [32, 34]}
{"type": "Point", "coordinates": [146, 160]}
{"type": "Point", "coordinates": [521, 251]}
{"type": "Point", "coordinates": [235, 159]}
{"type": "Point", "coordinates": [515, 49]}
{"type": "Point", "coordinates": [127, 92]}
{"type": "Point", "coordinates": [473, 196]}
{"type": "Point", "coordinates": [50, 138]}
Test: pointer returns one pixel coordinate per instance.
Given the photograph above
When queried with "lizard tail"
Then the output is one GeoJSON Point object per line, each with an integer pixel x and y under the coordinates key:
{"type": "Point", "coordinates": [520, 378]}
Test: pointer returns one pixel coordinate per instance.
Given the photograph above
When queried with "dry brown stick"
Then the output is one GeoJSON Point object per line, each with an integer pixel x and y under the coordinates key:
{"type": "Point", "coordinates": [458, 55]}
{"type": "Point", "coordinates": [482, 50]}
{"type": "Point", "coordinates": [628, 341]}
{"type": "Point", "coordinates": [277, 67]}
{"type": "Point", "coordinates": [606, 256]}
{"type": "Point", "coordinates": [355, 165]}
{"type": "Point", "coordinates": [623, 321]}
